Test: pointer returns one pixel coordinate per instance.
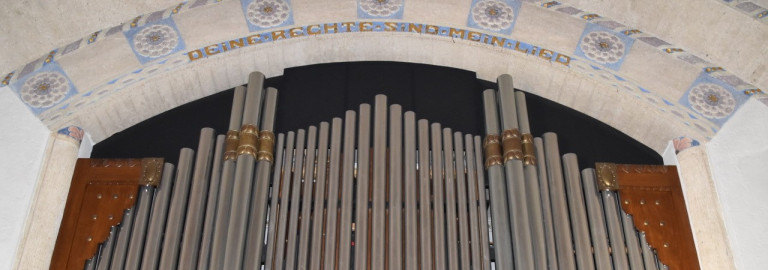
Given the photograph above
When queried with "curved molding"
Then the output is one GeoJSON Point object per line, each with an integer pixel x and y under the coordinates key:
{"type": "Point", "coordinates": [31, 28]}
{"type": "Point", "coordinates": [641, 86]}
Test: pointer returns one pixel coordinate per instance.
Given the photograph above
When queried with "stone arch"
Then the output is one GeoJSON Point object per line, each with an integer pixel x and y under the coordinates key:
{"type": "Point", "coordinates": [646, 82]}
{"type": "Point", "coordinates": [645, 97]}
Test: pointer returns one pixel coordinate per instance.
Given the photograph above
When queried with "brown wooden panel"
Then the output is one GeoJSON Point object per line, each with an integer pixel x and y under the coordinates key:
{"type": "Point", "coordinates": [653, 196]}
{"type": "Point", "coordinates": [101, 190]}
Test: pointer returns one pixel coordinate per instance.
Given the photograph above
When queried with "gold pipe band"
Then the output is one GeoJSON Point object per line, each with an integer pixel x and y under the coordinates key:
{"type": "Point", "coordinates": [151, 171]}
{"type": "Point", "coordinates": [529, 154]}
{"type": "Point", "coordinates": [249, 139]}
{"type": "Point", "coordinates": [511, 144]}
{"type": "Point", "coordinates": [606, 176]}
{"type": "Point", "coordinates": [233, 139]}
{"type": "Point", "coordinates": [492, 151]}
{"type": "Point", "coordinates": [266, 146]}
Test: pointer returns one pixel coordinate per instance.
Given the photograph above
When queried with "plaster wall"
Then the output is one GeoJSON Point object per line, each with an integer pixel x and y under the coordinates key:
{"type": "Point", "coordinates": [22, 148]}
{"type": "Point", "coordinates": [739, 177]}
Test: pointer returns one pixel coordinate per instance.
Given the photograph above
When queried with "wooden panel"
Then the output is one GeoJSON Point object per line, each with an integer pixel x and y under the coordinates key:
{"type": "Point", "coordinates": [653, 196]}
{"type": "Point", "coordinates": [101, 190]}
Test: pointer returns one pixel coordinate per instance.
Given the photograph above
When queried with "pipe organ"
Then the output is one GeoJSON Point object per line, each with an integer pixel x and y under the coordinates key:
{"type": "Point", "coordinates": [378, 189]}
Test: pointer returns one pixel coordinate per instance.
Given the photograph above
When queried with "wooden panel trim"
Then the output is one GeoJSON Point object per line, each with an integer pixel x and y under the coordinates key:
{"type": "Point", "coordinates": [652, 194]}
{"type": "Point", "coordinates": [101, 190]}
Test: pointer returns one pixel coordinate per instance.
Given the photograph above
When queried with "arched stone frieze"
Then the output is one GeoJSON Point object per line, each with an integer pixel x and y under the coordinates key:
{"type": "Point", "coordinates": [636, 82]}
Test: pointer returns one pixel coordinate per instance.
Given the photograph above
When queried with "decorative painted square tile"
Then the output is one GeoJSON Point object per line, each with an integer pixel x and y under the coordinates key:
{"type": "Point", "coordinates": [712, 98]}
{"type": "Point", "coordinates": [380, 9]}
{"type": "Point", "coordinates": [494, 15]}
{"type": "Point", "coordinates": [603, 46]}
{"type": "Point", "coordinates": [44, 88]}
{"type": "Point", "coordinates": [154, 40]}
{"type": "Point", "coordinates": [265, 14]}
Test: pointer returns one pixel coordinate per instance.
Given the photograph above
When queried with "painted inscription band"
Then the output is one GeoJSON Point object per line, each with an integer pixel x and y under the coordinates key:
{"type": "Point", "coordinates": [355, 27]}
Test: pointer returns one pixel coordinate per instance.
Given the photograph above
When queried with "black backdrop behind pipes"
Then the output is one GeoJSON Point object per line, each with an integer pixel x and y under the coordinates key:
{"type": "Point", "coordinates": [311, 94]}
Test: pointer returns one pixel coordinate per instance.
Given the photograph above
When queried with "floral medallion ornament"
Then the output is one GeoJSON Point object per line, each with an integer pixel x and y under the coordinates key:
{"type": "Point", "coordinates": [381, 8]}
{"type": "Point", "coordinates": [156, 40]}
{"type": "Point", "coordinates": [268, 13]}
{"type": "Point", "coordinates": [493, 15]}
{"type": "Point", "coordinates": [603, 47]}
{"type": "Point", "coordinates": [45, 89]}
{"type": "Point", "coordinates": [712, 101]}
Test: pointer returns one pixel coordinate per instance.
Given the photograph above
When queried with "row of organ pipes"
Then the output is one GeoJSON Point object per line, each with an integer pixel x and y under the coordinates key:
{"type": "Point", "coordinates": [378, 189]}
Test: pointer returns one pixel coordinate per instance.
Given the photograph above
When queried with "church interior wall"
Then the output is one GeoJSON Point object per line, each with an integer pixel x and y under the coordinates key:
{"type": "Point", "coordinates": [670, 53]}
